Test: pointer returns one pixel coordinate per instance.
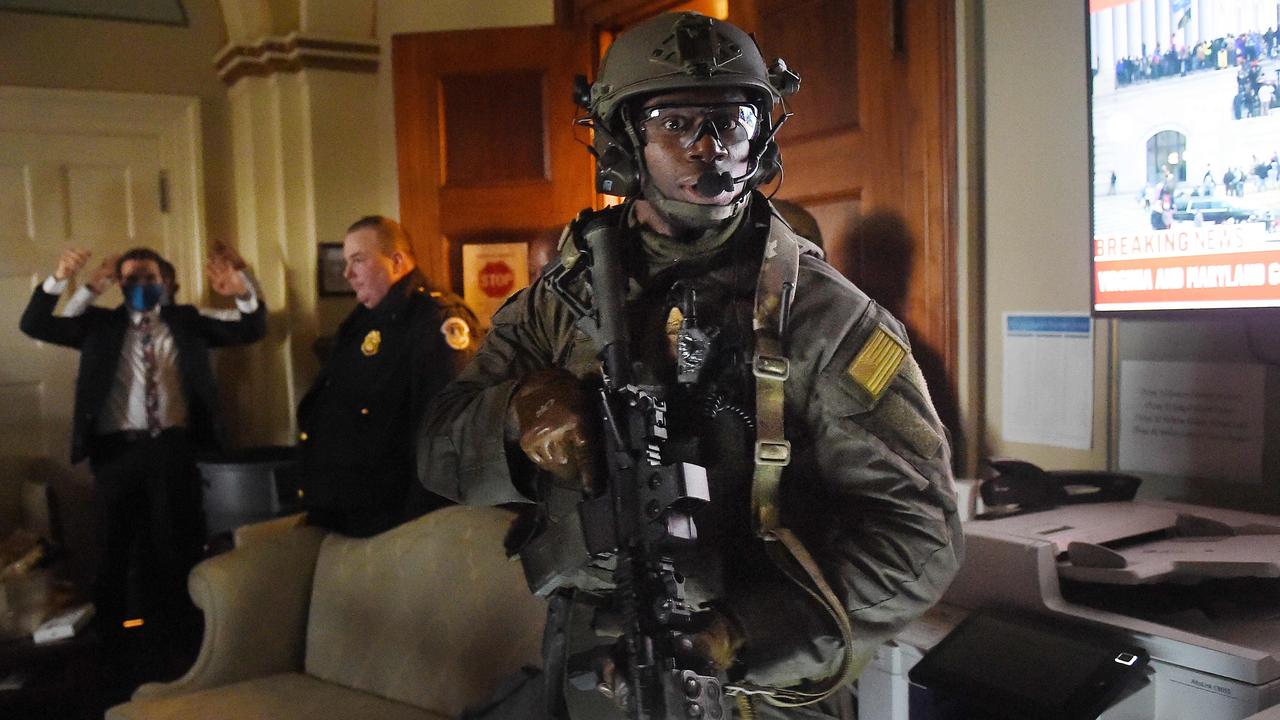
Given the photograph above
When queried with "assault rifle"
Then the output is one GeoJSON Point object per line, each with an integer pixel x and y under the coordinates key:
{"type": "Point", "coordinates": [644, 513]}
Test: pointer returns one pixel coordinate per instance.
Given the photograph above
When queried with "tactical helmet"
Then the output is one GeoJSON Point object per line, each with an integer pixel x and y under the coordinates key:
{"type": "Point", "coordinates": [670, 53]}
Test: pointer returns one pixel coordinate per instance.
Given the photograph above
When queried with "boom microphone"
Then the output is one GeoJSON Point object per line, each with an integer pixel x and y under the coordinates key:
{"type": "Point", "coordinates": [712, 183]}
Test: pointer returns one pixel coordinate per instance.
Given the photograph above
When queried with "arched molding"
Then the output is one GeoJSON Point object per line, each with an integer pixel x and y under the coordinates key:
{"type": "Point", "coordinates": [294, 52]}
{"type": "Point", "coordinates": [248, 21]}
{"type": "Point", "coordinates": [266, 38]}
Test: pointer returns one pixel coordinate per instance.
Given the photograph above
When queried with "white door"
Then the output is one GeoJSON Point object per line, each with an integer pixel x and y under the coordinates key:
{"type": "Point", "coordinates": [95, 187]}
{"type": "Point", "coordinates": [100, 193]}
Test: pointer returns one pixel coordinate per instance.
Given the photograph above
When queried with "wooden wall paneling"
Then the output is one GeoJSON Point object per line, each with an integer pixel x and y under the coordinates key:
{"type": "Point", "coordinates": [838, 217]}
{"type": "Point", "coordinates": [482, 147]}
{"type": "Point", "coordinates": [418, 152]}
{"type": "Point", "coordinates": [874, 123]}
{"type": "Point", "coordinates": [936, 80]}
{"type": "Point", "coordinates": [822, 145]}
{"type": "Point", "coordinates": [873, 137]}
{"type": "Point", "coordinates": [828, 101]}
{"type": "Point", "coordinates": [485, 135]}
{"type": "Point", "coordinates": [924, 132]}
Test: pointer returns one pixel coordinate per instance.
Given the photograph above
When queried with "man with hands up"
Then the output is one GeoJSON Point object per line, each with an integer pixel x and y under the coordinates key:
{"type": "Point", "coordinates": [145, 402]}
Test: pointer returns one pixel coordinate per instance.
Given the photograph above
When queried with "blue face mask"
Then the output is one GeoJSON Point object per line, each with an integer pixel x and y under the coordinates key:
{"type": "Point", "coordinates": [142, 297]}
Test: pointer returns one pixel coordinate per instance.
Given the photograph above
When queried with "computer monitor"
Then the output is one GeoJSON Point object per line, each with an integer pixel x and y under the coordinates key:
{"type": "Point", "coordinates": [1185, 152]}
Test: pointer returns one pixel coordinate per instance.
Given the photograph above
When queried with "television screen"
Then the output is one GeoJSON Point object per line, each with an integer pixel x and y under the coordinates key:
{"type": "Point", "coordinates": [1185, 154]}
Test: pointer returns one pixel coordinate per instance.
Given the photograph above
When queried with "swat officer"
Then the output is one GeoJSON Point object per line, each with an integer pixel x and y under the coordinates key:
{"type": "Point", "coordinates": [831, 521]}
{"type": "Point", "coordinates": [400, 345]}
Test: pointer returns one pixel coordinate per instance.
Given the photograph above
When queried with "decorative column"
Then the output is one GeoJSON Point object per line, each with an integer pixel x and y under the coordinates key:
{"type": "Point", "coordinates": [1162, 24]}
{"type": "Point", "coordinates": [1149, 36]}
{"type": "Point", "coordinates": [1104, 46]}
{"type": "Point", "coordinates": [1094, 50]}
{"type": "Point", "coordinates": [1133, 21]}
{"type": "Point", "coordinates": [1120, 31]}
{"type": "Point", "coordinates": [302, 91]}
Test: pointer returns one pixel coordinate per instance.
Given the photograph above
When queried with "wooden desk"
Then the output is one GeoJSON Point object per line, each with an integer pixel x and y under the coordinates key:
{"type": "Point", "coordinates": [61, 679]}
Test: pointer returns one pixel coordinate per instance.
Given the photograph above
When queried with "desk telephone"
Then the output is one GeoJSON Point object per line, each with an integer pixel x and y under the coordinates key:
{"type": "Point", "coordinates": [1021, 487]}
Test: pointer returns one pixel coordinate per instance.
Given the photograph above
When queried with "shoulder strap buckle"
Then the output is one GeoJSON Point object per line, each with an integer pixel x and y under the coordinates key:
{"type": "Point", "coordinates": [772, 367]}
{"type": "Point", "coordinates": [773, 452]}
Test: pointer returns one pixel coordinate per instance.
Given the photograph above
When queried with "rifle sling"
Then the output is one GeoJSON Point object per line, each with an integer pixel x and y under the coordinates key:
{"type": "Point", "coordinates": [775, 289]}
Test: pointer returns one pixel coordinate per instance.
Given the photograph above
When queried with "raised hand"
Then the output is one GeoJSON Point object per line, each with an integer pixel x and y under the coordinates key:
{"type": "Point", "coordinates": [70, 262]}
{"type": "Point", "coordinates": [104, 276]}
{"type": "Point", "coordinates": [224, 278]}
{"type": "Point", "coordinates": [228, 253]}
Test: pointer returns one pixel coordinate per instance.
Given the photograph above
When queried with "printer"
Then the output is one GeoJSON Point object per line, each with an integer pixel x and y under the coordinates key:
{"type": "Point", "coordinates": [1197, 587]}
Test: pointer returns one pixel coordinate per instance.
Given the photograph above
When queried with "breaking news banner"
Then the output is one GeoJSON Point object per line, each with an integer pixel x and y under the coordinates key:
{"type": "Point", "coordinates": [1187, 267]}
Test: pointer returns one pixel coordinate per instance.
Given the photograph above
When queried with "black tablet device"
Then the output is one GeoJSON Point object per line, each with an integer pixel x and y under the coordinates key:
{"type": "Point", "coordinates": [1010, 666]}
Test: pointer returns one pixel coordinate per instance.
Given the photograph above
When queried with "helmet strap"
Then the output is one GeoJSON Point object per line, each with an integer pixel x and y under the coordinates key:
{"type": "Point", "coordinates": [637, 146]}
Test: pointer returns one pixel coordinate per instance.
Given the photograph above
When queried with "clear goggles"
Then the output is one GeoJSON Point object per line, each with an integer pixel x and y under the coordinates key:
{"type": "Point", "coordinates": [728, 123]}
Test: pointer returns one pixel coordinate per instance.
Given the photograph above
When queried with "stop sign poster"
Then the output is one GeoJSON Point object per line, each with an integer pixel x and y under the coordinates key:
{"type": "Point", "coordinates": [491, 273]}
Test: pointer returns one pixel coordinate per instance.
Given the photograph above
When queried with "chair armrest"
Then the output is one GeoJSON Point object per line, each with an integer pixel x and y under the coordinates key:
{"type": "Point", "coordinates": [256, 531]}
{"type": "Point", "coordinates": [255, 600]}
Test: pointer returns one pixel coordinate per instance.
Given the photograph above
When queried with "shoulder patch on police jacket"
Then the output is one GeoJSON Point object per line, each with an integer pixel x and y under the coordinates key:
{"type": "Point", "coordinates": [457, 333]}
{"type": "Point", "coordinates": [877, 363]}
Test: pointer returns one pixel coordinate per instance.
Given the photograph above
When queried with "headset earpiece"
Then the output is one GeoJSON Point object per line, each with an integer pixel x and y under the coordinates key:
{"type": "Point", "coordinates": [770, 166]}
{"type": "Point", "coordinates": [617, 164]}
{"type": "Point", "coordinates": [616, 172]}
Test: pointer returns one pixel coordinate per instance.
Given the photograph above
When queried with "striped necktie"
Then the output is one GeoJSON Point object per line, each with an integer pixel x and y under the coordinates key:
{"type": "Point", "coordinates": [149, 370]}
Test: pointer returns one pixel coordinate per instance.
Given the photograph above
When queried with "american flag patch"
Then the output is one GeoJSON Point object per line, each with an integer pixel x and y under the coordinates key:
{"type": "Point", "coordinates": [877, 362]}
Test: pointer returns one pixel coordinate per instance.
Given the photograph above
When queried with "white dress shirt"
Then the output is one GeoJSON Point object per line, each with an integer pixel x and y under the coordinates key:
{"type": "Point", "coordinates": [126, 405]}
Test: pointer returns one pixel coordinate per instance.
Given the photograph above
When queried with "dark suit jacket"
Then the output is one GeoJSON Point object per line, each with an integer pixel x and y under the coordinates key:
{"type": "Point", "coordinates": [99, 335]}
{"type": "Point", "coordinates": [359, 419]}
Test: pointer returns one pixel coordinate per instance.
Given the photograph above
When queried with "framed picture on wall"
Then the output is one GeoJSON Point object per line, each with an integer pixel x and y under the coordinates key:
{"type": "Point", "coordinates": [329, 267]}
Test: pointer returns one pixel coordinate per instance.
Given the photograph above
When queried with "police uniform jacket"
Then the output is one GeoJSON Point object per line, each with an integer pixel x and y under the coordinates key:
{"type": "Point", "coordinates": [358, 419]}
{"type": "Point", "coordinates": [869, 487]}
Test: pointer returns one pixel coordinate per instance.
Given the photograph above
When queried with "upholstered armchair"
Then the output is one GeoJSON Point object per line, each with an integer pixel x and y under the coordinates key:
{"type": "Point", "coordinates": [418, 622]}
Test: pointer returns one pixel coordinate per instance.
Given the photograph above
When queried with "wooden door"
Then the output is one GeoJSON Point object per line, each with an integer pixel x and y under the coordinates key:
{"type": "Point", "coordinates": [870, 153]}
{"type": "Point", "coordinates": [487, 148]}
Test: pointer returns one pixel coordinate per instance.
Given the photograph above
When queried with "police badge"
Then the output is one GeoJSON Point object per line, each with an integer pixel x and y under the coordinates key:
{"type": "Point", "coordinates": [371, 343]}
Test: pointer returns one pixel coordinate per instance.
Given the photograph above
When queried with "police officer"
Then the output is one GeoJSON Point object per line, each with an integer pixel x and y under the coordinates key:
{"type": "Point", "coordinates": [400, 345]}
{"type": "Point", "coordinates": [797, 393]}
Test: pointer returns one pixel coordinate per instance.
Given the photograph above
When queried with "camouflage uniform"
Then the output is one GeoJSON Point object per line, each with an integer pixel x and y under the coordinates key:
{"type": "Point", "coordinates": [869, 487]}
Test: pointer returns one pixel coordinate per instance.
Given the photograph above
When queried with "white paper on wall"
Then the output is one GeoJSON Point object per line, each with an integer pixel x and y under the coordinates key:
{"type": "Point", "coordinates": [1202, 420]}
{"type": "Point", "coordinates": [1048, 379]}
